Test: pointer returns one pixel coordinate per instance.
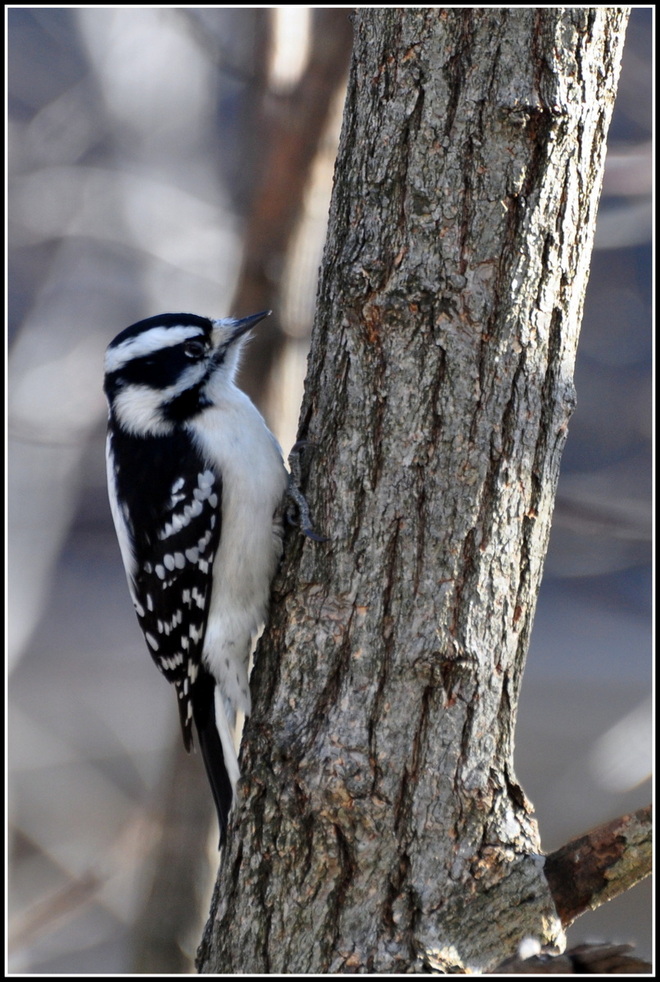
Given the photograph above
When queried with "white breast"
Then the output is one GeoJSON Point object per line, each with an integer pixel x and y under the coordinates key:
{"type": "Point", "coordinates": [238, 445]}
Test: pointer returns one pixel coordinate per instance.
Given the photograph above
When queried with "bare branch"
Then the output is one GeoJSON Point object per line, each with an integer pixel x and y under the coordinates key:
{"type": "Point", "coordinates": [600, 865]}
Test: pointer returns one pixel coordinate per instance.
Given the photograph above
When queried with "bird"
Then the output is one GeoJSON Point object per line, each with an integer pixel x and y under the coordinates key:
{"type": "Point", "coordinates": [196, 483]}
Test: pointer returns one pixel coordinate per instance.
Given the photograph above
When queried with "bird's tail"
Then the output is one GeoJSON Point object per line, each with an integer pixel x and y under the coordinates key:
{"type": "Point", "coordinates": [217, 746]}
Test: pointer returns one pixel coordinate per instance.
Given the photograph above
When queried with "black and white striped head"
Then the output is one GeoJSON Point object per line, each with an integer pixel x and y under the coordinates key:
{"type": "Point", "coordinates": [164, 370]}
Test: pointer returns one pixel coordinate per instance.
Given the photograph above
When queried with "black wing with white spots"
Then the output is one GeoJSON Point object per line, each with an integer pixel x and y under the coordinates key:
{"type": "Point", "coordinates": [174, 530]}
{"type": "Point", "coordinates": [177, 422]}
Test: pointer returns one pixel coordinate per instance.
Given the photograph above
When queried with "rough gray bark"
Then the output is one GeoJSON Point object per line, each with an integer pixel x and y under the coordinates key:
{"type": "Point", "coordinates": [381, 826]}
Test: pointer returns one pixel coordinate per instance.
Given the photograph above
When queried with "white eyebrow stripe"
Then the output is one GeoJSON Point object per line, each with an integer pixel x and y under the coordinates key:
{"type": "Point", "coordinates": [149, 341]}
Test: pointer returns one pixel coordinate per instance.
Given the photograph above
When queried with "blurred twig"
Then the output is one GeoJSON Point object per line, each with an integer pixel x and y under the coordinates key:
{"type": "Point", "coordinates": [48, 913]}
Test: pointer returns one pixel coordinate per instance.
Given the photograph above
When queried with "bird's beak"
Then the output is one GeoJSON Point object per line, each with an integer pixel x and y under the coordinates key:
{"type": "Point", "coordinates": [232, 329]}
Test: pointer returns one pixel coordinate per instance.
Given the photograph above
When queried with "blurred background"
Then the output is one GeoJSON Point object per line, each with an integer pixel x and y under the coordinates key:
{"type": "Point", "coordinates": [181, 159]}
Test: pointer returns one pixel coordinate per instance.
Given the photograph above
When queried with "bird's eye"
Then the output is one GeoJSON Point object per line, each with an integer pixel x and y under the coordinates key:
{"type": "Point", "coordinates": [194, 349]}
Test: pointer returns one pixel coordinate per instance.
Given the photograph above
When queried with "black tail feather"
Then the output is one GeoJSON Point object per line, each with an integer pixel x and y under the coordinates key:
{"type": "Point", "coordinates": [211, 748]}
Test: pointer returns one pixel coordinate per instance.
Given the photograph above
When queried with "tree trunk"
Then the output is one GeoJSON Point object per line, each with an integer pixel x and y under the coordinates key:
{"type": "Point", "coordinates": [381, 826]}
